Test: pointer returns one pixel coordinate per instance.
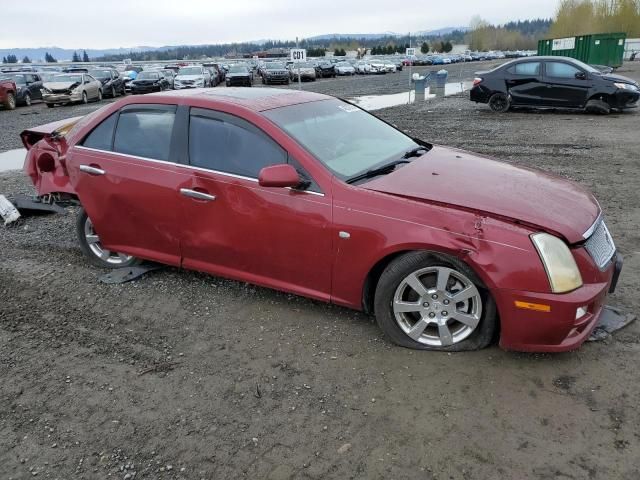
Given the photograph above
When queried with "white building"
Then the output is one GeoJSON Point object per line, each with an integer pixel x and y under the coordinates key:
{"type": "Point", "coordinates": [631, 45]}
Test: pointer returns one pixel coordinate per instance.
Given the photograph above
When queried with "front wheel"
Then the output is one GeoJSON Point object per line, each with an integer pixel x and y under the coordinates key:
{"type": "Point", "coordinates": [94, 251]}
{"type": "Point", "coordinates": [27, 100]}
{"type": "Point", "coordinates": [10, 102]}
{"type": "Point", "coordinates": [85, 99]}
{"type": "Point", "coordinates": [99, 96]}
{"type": "Point", "coordinates": [500, 103]}
{"type": "Point", "coordinates": [429, 301]}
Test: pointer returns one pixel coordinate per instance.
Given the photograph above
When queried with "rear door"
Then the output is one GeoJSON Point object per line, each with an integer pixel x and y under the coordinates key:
{"type": "Point", "coordinates": [126, 177]}
{"type": "Point", "coordinates": [232, 226]}
{"type": "Point", "coordinates": [562, 88]}
{"type": "Point", "coordinates": [524, 83]}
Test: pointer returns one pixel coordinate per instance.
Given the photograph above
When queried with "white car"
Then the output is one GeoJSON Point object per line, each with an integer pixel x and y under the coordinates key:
{"type": "Point", "coordinates": [390, 67]}
{"type": "Point", "coordinates": [345, 68]}
{"type": "Point", "coordinates": [376, 66]}
{"type": "Point", "coordinates": [363, 68]}
{"type": "Point", "coordinates": [194, 76]}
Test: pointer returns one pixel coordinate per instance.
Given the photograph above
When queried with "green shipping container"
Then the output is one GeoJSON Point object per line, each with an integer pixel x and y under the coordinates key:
{"type": "Point", "coordinates": [597, 49]}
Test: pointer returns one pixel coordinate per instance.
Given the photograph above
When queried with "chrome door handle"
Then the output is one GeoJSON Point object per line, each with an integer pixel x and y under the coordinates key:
{"type": "Point", "coordinates": [197, 195]}
{"type": "Point", "coordinates": [92, 170]}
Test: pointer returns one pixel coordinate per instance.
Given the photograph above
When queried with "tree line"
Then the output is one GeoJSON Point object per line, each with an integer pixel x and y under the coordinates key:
{"type": "Point", "coordinates": [583, 17]}
{"type": "Point", "coordinates": [48, 58]}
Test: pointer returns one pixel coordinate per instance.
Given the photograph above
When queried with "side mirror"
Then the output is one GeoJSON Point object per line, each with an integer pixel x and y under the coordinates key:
{"type": "Point", "coordinates": [581, 76]}
{"type": "Point", "coordinates": [279, 176]}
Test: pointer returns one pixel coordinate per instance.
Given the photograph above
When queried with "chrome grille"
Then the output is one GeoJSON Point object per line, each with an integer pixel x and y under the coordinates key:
{"type": "Point", "coordinates": [600, 245]}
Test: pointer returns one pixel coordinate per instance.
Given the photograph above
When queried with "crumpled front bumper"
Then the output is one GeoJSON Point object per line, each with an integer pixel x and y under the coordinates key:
{"type": "Point", "coordinates": [556, 330]}
{"type": "Point", "coordinates": [62, 97]}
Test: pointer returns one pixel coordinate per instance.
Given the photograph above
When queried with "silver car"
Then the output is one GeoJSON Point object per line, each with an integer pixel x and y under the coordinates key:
{"type": "Point", "coordinates": [71, 88]}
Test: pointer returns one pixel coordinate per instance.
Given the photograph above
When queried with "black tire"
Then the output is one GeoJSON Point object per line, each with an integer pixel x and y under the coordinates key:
{"type": "Point", "coordinates": [113, 92]}
{"type": "Point", "coordinates": [10, 101]}
{"type": "Point", "coordinates": [27, 99]}
{"type": "Point", "coordinates": [85, 99]}
{"type": "Point", "coordinates": [99, 99]}
{"type": "Point", "coordinates": [500, 102]}
{"type": "Point", "coordinates": [598, 106]}
{"type": "Point", "coordinates": [94, 259]}
{"type": "Point", "coordinates": [51, 105]}
{"type": "Point", "coordinates": [399, 269]}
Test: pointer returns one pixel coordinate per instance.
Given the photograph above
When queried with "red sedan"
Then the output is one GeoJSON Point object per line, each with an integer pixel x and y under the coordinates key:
{"type": "Point", "coordinates": [308, 194]}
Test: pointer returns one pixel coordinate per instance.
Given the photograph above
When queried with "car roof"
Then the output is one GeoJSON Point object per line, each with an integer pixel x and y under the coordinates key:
{"type": "Point", "coordinates": [256, 99]}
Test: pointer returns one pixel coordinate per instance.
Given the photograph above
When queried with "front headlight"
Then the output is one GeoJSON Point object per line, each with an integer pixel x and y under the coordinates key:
{"type": "Point", "coordinates": [45, 90]}
{"type": "Point", "coordinates": [558, 262]}
{"type": "Point", "coordinates": [626, 86]}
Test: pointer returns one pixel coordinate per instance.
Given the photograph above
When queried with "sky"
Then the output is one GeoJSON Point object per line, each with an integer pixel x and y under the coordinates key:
{"type": "Point", "coordinates": [116, 23]}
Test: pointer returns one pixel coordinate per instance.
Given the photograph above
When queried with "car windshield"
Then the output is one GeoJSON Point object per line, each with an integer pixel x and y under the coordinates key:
{"type": "Point", "coordinates": [19, 79]}
{"type": "Point", "coordinates": [190, 71]}
{"type": "Point", "coordinates": [101, 73]}
{"type": "Point", "coordinates": [344, 64]}
{"type": "Point", "coordinates": [345, 138]}
{"type": "Point", "coordinates": [303, 65]}
{"type": "Point", "coordinates": [586, 67]}
{"type": "Point", "coordinates": [148, 76]}
{"type": "Point", "coordinates": [68, 78]}
{"type": "Point", "coordinates": [238, 69]}
{"type": "Point", "coordinates": [275, 66]}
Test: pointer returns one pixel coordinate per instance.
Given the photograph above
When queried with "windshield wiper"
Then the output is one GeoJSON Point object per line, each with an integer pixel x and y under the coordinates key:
{"type": "Point", "coordinates": [415, 151]}
{"type": "Point", "coordinates": [374, 172]}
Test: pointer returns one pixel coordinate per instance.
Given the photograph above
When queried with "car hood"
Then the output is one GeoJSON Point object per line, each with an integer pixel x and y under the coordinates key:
{"type": "Point", "coordinates": [238, 74]}
{"type": "Point", "coordinates": [612, 77]}
{"type": "Point", "coordinates": [60, 85]}
{"type": "Point", "coordinates": [470, 181]}
{"type": "Point", "coordinates": [190, 77]}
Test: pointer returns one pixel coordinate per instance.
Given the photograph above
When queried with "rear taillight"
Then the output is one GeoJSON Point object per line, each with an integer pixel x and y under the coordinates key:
{"type": "Point", "coordinates": [477, 81]}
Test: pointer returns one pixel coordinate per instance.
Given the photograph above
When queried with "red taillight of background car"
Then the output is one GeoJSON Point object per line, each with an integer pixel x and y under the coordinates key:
{"type": "Point", "coordinates": [477, 81]}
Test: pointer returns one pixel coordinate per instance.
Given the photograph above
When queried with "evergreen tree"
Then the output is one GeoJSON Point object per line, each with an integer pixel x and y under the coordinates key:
{"type": "Point", "coordinates": [12, 59]}
{"type": "Point", "coordinates": [424, 48]}
{"type": "Point", "coordinates": [447, 46]}
{"type": "Point", "coordinates": [85, 57]}
{"type": "Point", "coordinates": [4, 60]}
{"type": "Point", "coordinates": [49, 58]}
{"type": "Point", "coordinates": [76, 57]}
{"type": "Point", "coordinates": [26, 59]}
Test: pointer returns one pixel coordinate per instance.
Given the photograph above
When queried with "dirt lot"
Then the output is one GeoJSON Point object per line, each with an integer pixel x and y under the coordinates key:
{"type": "Point", "coordinates": [183, 375]}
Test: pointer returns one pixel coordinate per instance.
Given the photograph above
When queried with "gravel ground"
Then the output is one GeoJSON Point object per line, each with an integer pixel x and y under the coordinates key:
{"type": "Point", "coordinates": [181, 375]}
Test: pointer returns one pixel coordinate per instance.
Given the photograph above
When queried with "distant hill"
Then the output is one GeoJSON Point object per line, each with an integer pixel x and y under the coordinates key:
{"type": "Point", "coordinates": [37, 54]}
{"type": "Point", "coordinates": [372, 36]}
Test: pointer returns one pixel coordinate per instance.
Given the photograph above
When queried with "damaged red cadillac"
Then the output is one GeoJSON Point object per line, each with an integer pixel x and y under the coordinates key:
{"type": "Point", "coordinates": [308, 194]}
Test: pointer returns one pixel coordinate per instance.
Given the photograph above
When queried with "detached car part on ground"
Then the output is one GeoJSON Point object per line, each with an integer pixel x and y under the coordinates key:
{"type": "Point", "coordinates": [71, 88]}
{"type": "Point", "coordinates": [311, 195]}
{"type": "Point", "coordinates": [554, 82]}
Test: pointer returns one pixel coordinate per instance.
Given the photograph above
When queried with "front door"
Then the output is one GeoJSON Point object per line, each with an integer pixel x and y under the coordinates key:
{"type": "Point", "coordinates": [563, 87]}
{"type": "Point", "coordinates": [233, 227]}
{"type": "Point", "coordinates": [128, 182]}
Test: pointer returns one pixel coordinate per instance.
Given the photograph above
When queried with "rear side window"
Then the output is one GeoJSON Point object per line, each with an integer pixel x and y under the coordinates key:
{"type": "Point", "coordinates": [145, 133]}
{"type": "Point", "coordinates": [527, 68]}
{"type": "Point", "coordinates": [561, 70]}
{"type": "Point", "coordinates": [231, 146]}
{"type": "Point", "coordinates": [101, 137]}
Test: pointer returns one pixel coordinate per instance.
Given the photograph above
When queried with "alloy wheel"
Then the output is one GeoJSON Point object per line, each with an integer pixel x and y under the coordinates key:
{"type": "Point", "coordinates": [437, 306]}
{"type": "Point", "coordinates": [93, 241]}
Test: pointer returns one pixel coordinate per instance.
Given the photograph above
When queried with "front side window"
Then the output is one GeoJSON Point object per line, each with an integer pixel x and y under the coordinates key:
{"type": "Point", "coordinates": [227, 144]}
{"type": "Point", "coordinates": [145, 133]}
{"type": "Point", "coordinates": [345, 138]}
{"type": "Point", "coordinates": [561, 70]}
